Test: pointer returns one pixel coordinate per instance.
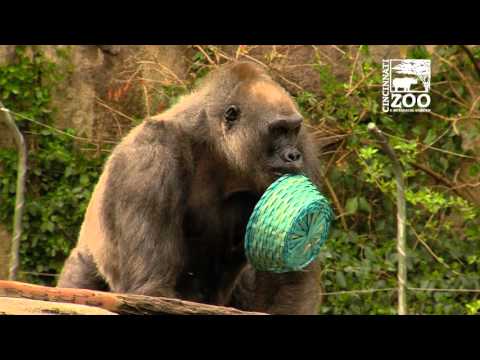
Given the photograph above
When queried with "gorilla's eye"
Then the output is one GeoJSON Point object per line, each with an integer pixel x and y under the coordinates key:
{"type": "Point", "coordinates": [231, 113]}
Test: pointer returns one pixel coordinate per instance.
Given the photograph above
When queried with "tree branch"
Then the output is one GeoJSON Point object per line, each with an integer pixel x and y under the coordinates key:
{"type": "Point", "coordinates": [476, 64]}
{"type": "Point", "coordinates": [124, 304]}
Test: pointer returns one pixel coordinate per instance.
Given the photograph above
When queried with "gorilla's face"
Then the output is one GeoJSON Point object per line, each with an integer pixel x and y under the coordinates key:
{"type": "Point", "coordinates": [260, 127]}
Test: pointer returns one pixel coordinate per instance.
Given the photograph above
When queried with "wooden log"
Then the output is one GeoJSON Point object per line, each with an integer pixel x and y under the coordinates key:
{"type": "Point", "coordinates": [117, 303]}
{"type": "Point", "coordinates": [18, 306]}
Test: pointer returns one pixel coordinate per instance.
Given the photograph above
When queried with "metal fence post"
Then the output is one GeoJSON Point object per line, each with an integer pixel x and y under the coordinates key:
{"type": "Point", "coordinates": [20, 192]}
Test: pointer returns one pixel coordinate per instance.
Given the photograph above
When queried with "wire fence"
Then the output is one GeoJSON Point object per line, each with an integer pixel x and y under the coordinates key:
{"type": "Point", "coordinates": [327, 293]}
{"type": "Point", "coordinates": [369, 291]}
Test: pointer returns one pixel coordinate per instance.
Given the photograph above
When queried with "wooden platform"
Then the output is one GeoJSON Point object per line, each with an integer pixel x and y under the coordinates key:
{"type": "Point", "coordinates": [16, 306]}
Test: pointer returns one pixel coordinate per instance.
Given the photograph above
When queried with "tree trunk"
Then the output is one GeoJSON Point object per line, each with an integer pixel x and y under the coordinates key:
{"type": "Point", "coordinates": [5, 243]}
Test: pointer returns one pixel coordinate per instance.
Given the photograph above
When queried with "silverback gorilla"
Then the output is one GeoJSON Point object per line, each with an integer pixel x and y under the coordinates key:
{"type": "Point", "coordinates": [168, 215]}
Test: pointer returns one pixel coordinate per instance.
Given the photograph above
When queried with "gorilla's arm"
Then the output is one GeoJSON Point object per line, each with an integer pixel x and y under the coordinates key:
{"type": "Point", "coordinates": [281, 294]}
{"type": "Point", "coordinates": [142, 214]}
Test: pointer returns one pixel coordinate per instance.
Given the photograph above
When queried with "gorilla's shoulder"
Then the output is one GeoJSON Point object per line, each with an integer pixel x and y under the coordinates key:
{"type": "Point", "coordinates": [160, 133]}
{"type": "Point", "coordinates": [155, 145]}
{"type": "Point", "coordinates": [157, 131]}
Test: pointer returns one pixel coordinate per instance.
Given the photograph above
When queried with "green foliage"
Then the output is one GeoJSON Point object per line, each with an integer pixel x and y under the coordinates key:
{"type": "Point", "coordinates": [60, 178]}
{"type": "Point", "coordinates": [473, 307]}
{"type": "Point", "coordinates": [364, 256]}
{"type": "Point", "coordinates": [27, 83]}
{"type": "Point", "coordinates": [443, 231]}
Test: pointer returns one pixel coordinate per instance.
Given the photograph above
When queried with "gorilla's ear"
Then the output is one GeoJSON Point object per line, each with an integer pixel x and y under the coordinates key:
{"type": "Point", "coordinates": [245, 70]}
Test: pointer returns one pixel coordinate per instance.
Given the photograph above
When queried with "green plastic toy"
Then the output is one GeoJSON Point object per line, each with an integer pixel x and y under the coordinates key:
{"type": "Point", "coordinates": [288, 225]}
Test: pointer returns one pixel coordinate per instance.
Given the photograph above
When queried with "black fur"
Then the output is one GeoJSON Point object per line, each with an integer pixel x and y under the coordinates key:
{"type": "Point", "coordinates": [178, 194]}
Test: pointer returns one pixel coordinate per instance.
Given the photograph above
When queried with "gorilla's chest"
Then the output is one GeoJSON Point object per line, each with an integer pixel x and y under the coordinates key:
{"type": "Point", "coordinates": [214, 255]}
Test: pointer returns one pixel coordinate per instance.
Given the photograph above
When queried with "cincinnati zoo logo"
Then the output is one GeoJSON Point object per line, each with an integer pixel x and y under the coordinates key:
{"type": "Point", "coordinates": [406, 85]}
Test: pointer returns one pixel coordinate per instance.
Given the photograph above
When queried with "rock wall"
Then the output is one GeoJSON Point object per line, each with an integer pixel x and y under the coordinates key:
{"type": "Point", "coordinates": [109, 85]}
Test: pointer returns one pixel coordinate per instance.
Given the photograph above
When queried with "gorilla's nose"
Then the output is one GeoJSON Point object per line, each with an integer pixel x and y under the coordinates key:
{"type": "Point", "coordinates": [291, 155]}
{"type": "Point", "coordinates": [286, 123]}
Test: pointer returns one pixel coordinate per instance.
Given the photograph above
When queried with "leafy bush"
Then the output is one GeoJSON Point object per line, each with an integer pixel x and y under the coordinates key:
{"type": "Point", "coordinates": [443, 228]}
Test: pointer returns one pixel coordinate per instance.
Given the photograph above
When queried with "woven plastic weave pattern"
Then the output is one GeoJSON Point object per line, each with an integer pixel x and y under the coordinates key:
{"type": "Point", "coordinates": [288, 225]}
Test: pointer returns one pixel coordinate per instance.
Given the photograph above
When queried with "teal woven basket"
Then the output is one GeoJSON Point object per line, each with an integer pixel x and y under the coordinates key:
{"type": "Point", "coordinates": [288, 225]}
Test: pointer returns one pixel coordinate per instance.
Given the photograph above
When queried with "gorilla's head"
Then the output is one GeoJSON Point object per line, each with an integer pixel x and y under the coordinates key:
{"type": "Point", "coordinates": [254, 124]}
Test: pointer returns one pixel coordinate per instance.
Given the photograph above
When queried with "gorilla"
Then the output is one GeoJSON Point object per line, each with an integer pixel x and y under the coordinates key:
{"type": "Point", "coordinates": [169, 213]}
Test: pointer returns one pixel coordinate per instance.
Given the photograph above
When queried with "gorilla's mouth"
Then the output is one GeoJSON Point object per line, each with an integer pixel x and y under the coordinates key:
{"type": "Point", "coordinates": [286, 169]}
